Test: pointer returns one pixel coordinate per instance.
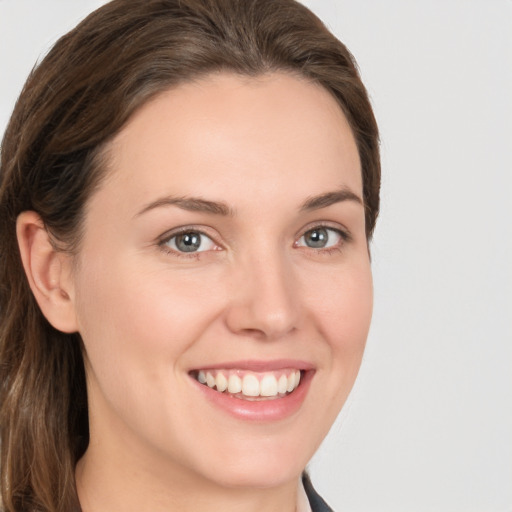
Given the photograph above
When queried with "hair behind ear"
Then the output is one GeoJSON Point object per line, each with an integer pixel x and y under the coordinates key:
{"type": "Point", "coordinates": [41, 375]}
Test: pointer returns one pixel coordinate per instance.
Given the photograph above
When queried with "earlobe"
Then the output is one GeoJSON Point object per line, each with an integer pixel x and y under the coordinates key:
{"type": "Point", "coordinates": [48, 272]}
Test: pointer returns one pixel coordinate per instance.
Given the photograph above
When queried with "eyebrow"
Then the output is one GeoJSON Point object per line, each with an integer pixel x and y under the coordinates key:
{"type": "Point", "coordinates": [197, 204]}
{"type": "Point", "coordinates": [330, 198]}
{"type": "Point", "coordinates": [192, 204]}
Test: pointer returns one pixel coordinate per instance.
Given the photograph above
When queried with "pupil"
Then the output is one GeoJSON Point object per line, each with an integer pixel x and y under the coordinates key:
{"type": "Point", "coordinates": [317, 238]}
{"type": "Point", "coordinates": [188, 242]}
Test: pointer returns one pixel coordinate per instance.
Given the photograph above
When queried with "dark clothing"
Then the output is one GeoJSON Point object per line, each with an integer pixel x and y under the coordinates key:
{"type": "Point", "coordinates": [316, 502]}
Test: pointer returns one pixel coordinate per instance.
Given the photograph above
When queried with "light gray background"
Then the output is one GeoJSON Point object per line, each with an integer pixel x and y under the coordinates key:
{"type": "Point", "coordinates": [428, 426]}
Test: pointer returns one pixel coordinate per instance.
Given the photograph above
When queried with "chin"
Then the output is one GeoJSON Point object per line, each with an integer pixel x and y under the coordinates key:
{"type": "Point", "coordinates": [269, 464]}
{"type": "Point", "coordinates": [258, 476]}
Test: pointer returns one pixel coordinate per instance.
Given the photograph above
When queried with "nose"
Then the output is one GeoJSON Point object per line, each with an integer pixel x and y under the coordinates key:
{"type": "Point", "coordinates": [264, 299]}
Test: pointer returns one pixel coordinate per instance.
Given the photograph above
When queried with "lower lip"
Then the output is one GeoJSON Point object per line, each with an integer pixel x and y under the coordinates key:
{"type": "Point", "coordinates": [261, 410]}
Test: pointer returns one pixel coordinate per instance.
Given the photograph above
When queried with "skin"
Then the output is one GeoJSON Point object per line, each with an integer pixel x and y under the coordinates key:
{"type": "Point", "coordinates": [148, 314]}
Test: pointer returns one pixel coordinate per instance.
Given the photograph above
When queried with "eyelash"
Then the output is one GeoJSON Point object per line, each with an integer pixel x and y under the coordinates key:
{"type": "Point", "coordinates": [344, 236]}
{"type": "Point", "coordinates": [165, 239]}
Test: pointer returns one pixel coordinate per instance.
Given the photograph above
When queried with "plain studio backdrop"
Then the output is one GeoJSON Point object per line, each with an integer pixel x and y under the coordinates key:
{"type": "Point", "coordinates": [428, 426]}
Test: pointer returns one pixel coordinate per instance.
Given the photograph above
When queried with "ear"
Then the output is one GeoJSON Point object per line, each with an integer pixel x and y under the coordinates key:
{"type": "Point", "coordinates": [49, 272]}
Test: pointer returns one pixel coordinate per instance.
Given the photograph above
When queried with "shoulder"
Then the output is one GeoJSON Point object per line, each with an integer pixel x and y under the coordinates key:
{"type": "Point", "coordinates": [315, 500]}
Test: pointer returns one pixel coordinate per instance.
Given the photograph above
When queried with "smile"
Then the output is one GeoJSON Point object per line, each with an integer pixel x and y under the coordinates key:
{"type": "Point", "coordinates": [250, 385]}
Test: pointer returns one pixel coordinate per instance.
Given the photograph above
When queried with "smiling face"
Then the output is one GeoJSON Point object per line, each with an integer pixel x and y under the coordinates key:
{"type": "Point", "coordinates": [223, 287]}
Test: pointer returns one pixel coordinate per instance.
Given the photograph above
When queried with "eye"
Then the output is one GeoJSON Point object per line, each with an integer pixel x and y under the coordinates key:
{"type": "Point", "coordinates": [320, 238]}
{"type": "Point", "coordinates": [190, 241]}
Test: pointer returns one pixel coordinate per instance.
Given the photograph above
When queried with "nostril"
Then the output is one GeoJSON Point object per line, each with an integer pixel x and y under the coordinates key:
{"type": "Point", "coordinates": [264, 303]}
{"type": "Point", "coordinates": [258, 322]}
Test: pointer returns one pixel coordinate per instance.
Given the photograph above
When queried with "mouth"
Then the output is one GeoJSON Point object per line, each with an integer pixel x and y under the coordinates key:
{"type": "Point", "coordinates": [250, 385]}
{"type": "Point", "coordinates": [254, 390]}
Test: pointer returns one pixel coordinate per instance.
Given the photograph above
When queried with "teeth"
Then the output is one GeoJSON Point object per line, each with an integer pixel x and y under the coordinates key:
{"type": "Point", "coordinates": [282, 385]}
{"type": "Point", "coordinates": [291, 382]}
{"type": "Point", "coordinates": [210, 380]}
{"type": "Point", "coordinates": [221, 383]}
{"type": "Point", "coordinates": [234, 384]}
{"type": "Point", "coordinates": [268, 386]}
{"type": "Point", "coordinates": [251, 384]}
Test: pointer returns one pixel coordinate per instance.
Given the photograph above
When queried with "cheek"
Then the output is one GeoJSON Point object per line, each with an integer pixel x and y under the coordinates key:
{"type": "Point", "coordinates": [344, 303]}
{"type": "Point", "coordinates": [340, 309]}
{"type": "Point", "coordinates": [136, 321]}
{"type": "Point", "coordinates": [343, 308]}
{"type": "Point", "coordinates": [138, 326]}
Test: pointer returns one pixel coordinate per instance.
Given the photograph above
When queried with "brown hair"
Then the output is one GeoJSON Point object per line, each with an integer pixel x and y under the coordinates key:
{"type": "Point", "coordinates": [72, 104]}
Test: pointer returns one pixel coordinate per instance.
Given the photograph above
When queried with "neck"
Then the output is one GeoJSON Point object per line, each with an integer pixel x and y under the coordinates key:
{"type": "Point", "coordinates": [108, 483]}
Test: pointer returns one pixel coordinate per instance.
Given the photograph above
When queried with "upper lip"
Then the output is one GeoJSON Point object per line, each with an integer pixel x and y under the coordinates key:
{"type": "Point", "coordinates": [259, 365]}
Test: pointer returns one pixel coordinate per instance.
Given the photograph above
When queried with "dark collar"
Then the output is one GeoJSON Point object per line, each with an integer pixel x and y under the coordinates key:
{"type": "Point", "coordinates": [315, 500]}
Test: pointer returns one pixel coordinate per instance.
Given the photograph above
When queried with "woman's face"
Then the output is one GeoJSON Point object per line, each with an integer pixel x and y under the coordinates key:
{"type": "Point", "coordinates": [227, 243]}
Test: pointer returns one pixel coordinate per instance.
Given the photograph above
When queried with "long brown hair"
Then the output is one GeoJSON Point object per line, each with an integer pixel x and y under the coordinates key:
{"type": "Point", "coordinates": [72, 104]}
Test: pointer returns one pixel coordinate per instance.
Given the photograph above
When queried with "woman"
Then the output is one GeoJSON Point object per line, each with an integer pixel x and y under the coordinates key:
{"type": "Point", "coordinates": [188, 188]}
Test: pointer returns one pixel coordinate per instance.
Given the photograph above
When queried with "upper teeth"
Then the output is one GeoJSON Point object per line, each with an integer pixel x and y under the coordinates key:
{"type": "Point", "coordinates": [251, 384]}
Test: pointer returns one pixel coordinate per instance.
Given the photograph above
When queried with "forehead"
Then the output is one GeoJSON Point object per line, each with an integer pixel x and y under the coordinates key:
{"type": "Point", "coordinates": [226, 133]}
